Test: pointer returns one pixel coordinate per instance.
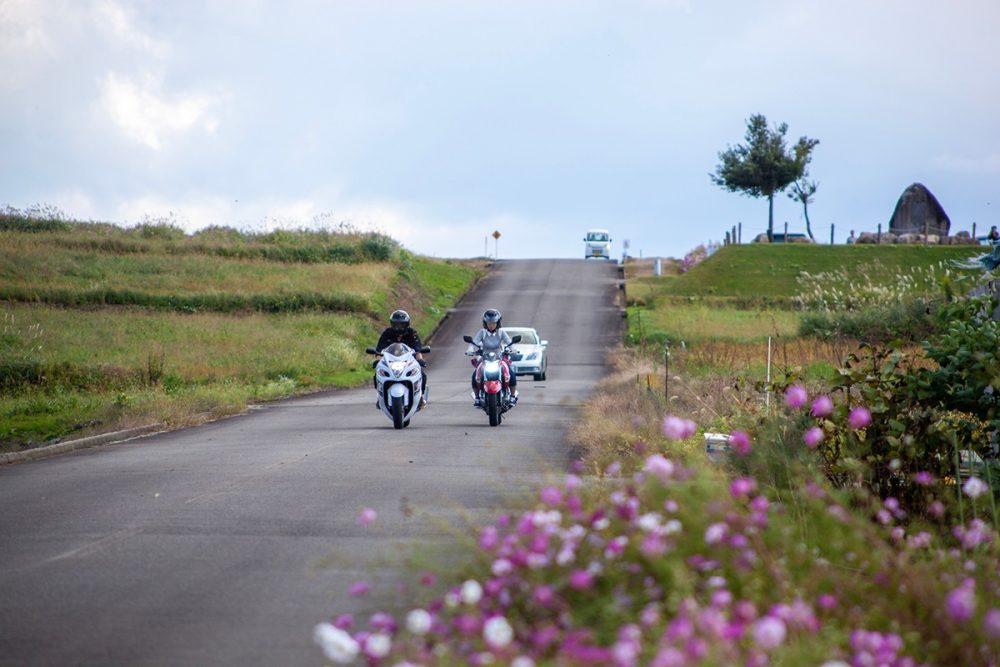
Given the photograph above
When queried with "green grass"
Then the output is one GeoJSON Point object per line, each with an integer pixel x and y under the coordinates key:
{"type": "Point", "coordinates": [725, 308]}
{"type": "Point", "coordinates": [98, 338]}
{"type": "Point", "coordinates": [759, 270]}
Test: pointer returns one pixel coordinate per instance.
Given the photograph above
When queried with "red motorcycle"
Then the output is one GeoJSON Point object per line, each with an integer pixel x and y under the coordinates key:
{"type": "Point", "coordinates": [493, 379]}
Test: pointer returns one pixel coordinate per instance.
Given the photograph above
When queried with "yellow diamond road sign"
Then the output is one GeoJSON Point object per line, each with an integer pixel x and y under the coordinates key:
{"type": "Point", "coordinates": [496, 235]}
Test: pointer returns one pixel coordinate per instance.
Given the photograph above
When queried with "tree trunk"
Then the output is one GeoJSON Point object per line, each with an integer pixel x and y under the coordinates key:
{"type": "Point", "coordinates": [805, 211]}
{"type": "Point", "coordinates": [770, 218]}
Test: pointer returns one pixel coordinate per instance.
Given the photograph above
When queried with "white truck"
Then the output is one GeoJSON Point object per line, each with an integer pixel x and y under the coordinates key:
{"type": "Point", "coordinates": [597, 243]}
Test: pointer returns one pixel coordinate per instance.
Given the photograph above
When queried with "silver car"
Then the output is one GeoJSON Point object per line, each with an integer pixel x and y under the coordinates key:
{"type": "Point", "coordinates": [532, 352]}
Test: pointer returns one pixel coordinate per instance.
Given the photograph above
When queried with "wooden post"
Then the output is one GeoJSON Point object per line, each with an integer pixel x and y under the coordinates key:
{"type": "Point", "coordinates": [786, 231]}
{"type": "Point", "coordinates": [831, 233]}
{"type": "Point", "coordinates": [878, 239]}
{"type": "Point", "coordinates": [739, 236]}
{"type": "Point", "coordinates": [973, 231]}
{"type": "Point", "coordinates": [666, 371]}
{"type": "Point", "coordinates": [727, 238]}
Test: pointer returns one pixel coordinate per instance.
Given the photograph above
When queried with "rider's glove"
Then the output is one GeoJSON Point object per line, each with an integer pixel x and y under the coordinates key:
{"type": "Point", "coordinates": [374, 363]}
{"type": "Point", "coordinates": [422, 362]}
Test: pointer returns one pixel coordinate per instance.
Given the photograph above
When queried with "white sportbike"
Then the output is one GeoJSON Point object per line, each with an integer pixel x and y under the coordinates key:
{"type": "Point", "coordinates": [399, 382]}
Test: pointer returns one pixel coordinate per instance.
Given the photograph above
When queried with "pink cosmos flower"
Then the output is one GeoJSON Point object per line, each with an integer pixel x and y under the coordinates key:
{"type": "Point", "coordinates": [715, 533]}
{"type": "Point", "coordinates": [551, 495]}
{"type": "Point", "coordinates": [740, 442]}
{"type": "Point", "coordinates": [344, 621]}
{"type": "Point", "coordinates": [991, 623]}
{"type": "Point", "coordinates": [936, 509]}
{"type": "Point", "coordinates": [796, 396]}
{"type": "Point", "coordinates": [383, 622]}
{"type": "Point", "coordinates": [359, 589]}
{"type": "Point", "coordinates": [676, 428]}
{"type": "Point", "coordinates": [489, 538]}
{"type": "Point", "coordinates": [859, 418]}
{"type": "Point", "coordinates": [669, 657]}
{"type": "Point", "coordinates": [367, 516]}
{"type": "Point", "coordinates": [743, 486]}
{"type": "Point", "coordinates": [543, 595]}
{"type": "Point", "coordinates": [660, 466]}
{"type": "Point", "coordinates": [813, 437]}
{"type": "Point", "coordinates": [581, 580]}
{"type": "Point", "coordinates": [961, 602]}
{"type": "Point", "coordinates": [826, 601]}
{"type": "Point", "coordinates": [923, 478]}
{"type": "Point", "coordinates": [769, 632]}
{"type": "Point", "coordinates": [822, 406]}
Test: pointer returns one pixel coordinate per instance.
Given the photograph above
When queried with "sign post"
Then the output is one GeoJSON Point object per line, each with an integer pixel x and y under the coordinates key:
{"type": "Point", "coordinates": [496, 245]}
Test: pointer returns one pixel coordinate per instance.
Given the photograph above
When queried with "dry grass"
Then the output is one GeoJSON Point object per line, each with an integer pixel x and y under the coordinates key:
{"type": "Point", "coordinates": [645, 267]}
{"type": "Point", "coordinates": [27, 264]}
{"type": "Point", "coordinates": [627, 410]}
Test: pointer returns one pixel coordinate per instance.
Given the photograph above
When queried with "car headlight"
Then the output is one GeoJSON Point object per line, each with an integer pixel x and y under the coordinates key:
{"type": "Point", "coordinates": [532, 356]}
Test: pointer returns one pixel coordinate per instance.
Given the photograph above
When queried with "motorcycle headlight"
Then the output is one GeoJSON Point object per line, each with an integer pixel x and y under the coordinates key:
{"type": "Point", "coordinates": [397, 366]}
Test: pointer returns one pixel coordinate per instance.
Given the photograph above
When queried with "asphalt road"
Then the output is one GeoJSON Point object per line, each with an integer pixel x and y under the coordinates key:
{"type": "Point", "coordinates": [225, 544]}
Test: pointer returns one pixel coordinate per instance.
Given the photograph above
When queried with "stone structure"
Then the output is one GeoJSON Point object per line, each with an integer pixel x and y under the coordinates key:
{"type": "Point", "coordinates": [919, 212]}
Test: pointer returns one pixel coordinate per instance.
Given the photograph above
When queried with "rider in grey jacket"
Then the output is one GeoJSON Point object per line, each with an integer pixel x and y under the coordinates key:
{"type": "Point", "coordinates": [491, 337]}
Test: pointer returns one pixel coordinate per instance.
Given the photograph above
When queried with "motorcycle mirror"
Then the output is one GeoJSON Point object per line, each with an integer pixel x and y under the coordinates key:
{"type": "Point", "coordinates": [515, 339]}
{"type": "Point", "coordinates": [370, 350]}
{"type": "Point", "coordinates": [467, 339]}
{"type": "Point", "coordinates": [424, 350]}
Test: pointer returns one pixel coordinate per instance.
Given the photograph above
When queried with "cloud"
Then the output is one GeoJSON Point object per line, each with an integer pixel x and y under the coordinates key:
{"type": "Point", "coordinates": [112, 16]}
{"type": "Point", "coordinates": [149, 118]}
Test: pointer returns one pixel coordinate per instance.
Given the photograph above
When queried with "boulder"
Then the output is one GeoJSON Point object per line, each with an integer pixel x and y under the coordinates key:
{"type": "Point", "coordinates": [867, 238]}
{"type": "Point", "coordinates": [919, 212]}
{"type": "Point", "coordinates": [761, 238]}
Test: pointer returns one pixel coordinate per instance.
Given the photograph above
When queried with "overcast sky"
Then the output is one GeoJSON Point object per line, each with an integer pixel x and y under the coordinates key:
{"type": "Point", "coordinates": [440, 122]}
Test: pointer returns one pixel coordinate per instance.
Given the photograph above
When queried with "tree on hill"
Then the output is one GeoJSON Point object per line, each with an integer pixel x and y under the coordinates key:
{"type": "Point", "coordinates": [803, 191]}
{"type": "Point", "coordinates": [764, 165]}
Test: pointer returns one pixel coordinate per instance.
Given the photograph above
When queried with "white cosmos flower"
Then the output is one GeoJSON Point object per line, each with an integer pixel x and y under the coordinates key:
{"type": "Point", "coordinates": [472, 592]}
{"type": "Point", "coordinates": [671, 527]}
{"type": "Point", "coordinates": [497, 632]}
{"type": "Point", "coordinates": [378, 645]}
{"type": "Point", "coordinates": [501, 567]}
{"type": "Point", "coordinates": [418, 622]}
{"type": "Point", "coordinates": [337, 645]}
{"type": "Point", "coordinates": [975, 487]}
{"type": "Point", "coordinates": [522, 661]}
{"type": "Point", "coordinates": [649, 522]}
{"type": "Point", "coordinates": [541, 518]}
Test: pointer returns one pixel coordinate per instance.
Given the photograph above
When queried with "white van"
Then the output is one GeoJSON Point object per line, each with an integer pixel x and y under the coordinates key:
{"type": "Point", "coordinates": [597, 243]}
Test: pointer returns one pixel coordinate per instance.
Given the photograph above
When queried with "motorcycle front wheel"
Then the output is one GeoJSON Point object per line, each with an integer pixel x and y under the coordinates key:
{"type": "Point", "coordinates": [397, 413]}
{"type": "Point", "coordinates": [493, 408]}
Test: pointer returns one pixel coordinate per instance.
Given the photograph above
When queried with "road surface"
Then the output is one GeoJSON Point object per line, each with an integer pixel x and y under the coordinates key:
{"type": "Point", "coordinates": [225, 544]}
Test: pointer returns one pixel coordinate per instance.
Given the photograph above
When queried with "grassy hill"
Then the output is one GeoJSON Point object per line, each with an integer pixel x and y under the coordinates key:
{"type": "Point", "coordinates": [773, 271]}
{"type": "Point", "coordinates": [106, 328]}
{"type": "Point", "coordinates": [725, 309]}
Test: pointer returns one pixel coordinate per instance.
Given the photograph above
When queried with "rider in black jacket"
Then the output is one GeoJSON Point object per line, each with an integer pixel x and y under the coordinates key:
{"type": "Point", "coordinates": [400, 331]}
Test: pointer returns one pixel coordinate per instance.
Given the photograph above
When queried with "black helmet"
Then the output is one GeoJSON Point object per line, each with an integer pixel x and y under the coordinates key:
{"type": "Point", "coordinates": [400, 319]}
{"type": "Point", "coordinates": [492, 315]}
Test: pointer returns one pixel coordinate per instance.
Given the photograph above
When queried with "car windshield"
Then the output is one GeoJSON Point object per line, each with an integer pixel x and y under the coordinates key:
{"type": "Point", "coordinates": [528, 337]}
{"type": "Point", "coordinates": [594, 236]}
